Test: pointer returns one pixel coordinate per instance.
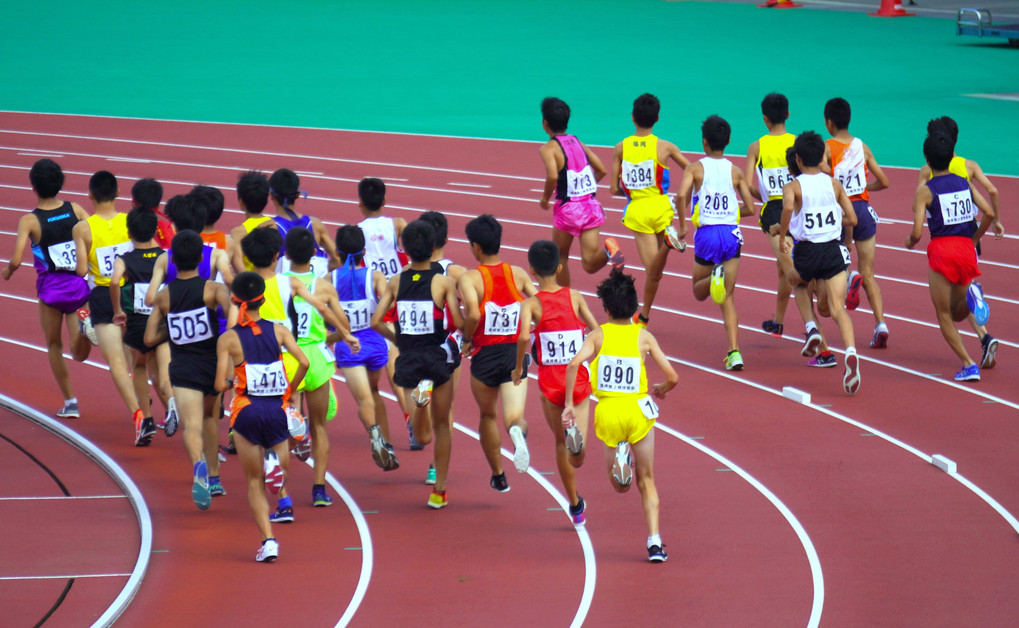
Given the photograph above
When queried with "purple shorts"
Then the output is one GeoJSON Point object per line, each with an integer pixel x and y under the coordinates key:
{"type": "Point", "coordinates": [62, 291]}
{"type": "Point", "coordinates": [574, 217]}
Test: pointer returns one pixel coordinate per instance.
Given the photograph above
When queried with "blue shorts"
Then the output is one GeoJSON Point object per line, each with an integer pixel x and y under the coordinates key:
{"type": "Point", "coordinates": [714, 244]}
{"type": "Point", "coordinates": [374, 353]}
{"type": "Point", "coordinates": [261, 421]}
{"type": "Point", "coordinates": [866, 221]}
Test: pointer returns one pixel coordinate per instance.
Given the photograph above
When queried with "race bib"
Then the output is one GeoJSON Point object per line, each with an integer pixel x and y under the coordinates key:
{"type": "Point", "coordinates": [774, 179]}
{"type": "Point", "coordinates": [358, 313]}
{"type": "Point", "coordinates": [845, 254]}
{"type": "Point", "coordinates": [717, 207]}
{"type": "Point", "coordinates": [64, 256]}
{"type": "Point", "coordinates": [559, 347]}
{"type": "Point", "coordinates": [416, 318]}
{"type": "Point", "coordinates": [106, 255]}
{"type": "Point", "coordinates": [140, 289]}
{"type": "Point", "coordinates": [189, 327]}
{"type": "Point", "coordinates": [618, 374]}
{"type": "Point", "coordinates": [327, 353]}
{"type": "Point", "coordinates": [649, 407]}
{"type": "Point", "coordinates": [304, 314]}
{"type": "Point", "coordinates": [501, 320]}
{"type": "Point", "coordinates": [639, 176]}
{"type": "Point", "coordinates": [816, 223]}
{"type": "Point", "coordinates": [739, 235]}
{"type": "Point", "coordinates": [957, 207]}
{"type": "Point", "coordinates": [580, 183]}
{"type": "Point", "coordinates": [320, 266]}
{"type": "Point", "coordinates": [266, 380]}
{"type": "Point", "coordinates": [388, 266]}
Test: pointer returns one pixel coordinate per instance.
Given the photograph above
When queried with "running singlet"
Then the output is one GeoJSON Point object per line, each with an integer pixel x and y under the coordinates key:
{"type": "Point", "coordinates": [249, 225]}
{"type": "Point", "coordinates": [55, 250]}
{"type": "Point", "coordinates": [308, 325]}
{"type": "Point", "coordinates": [642, 176]}
{"type": "Point", "coordinates": [500, 307]}
{"type": "Point", "coordinates": [380, 250]}
{"type": "Point", "coordinates": [820, 217]}
{"type": "Point", "coordinates": [772, 167]}
{"type": "Point", "coordinates": [559, 334]}
{"type": "Point", "coordinates": [109, 241]}
{"type": "Point", "coordinates": [357, 296]}
{"type": "Point", "coordinates": [138, 265]}
{"type": "Point", "coordinates": [204, 266]}
{"type": "Point", "coordinates": [576, 178]}
{"type": "Point", "coordinates": [849, 166]}
{"type": "Point", "coordinates": [419, 323]}
{"type": "Point", "coordinates": [216, 239]}
{"type": "Point", "coordinates": [952, 210]}
{"type": "Point", "coordinates": [192, 326]}
{"type": "Point", "coordinates": [164, 230]}
{"type": "Point", "coordinates": [957, 167]}
{"type": "Point", "coordinates": [319, 261]}
{"type": "Point", "coordinates": [261, 374]}
{"type": "Point", "coordinates": [716, 199]}
{"type": "Point", "coordinates": [618, 370]}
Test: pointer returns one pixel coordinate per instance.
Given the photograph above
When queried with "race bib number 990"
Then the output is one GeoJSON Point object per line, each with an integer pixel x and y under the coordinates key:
{"type": "Point", "coordinates": [64, 256]}
{"type": "Point", "coordinates": [559, 347]}
{"type": "Point", "coordinates": [358, 314]}
{"type": "Point", "coordinates": [638, 176]}
{"type": "Point", "coordinates": [501, 320]}
{"type": "Point", "coordinates": [189, 327]}
{"type": "Point", "coordinates": [415, 317]}
{"type": "Point", "coordinates": [618, 374]}
{"type": "Point", "coordinates": [957, 207]}
{"type": "Point", "coordinates": [266, 380]}
{"type": "Point", "coordinates": [580, 183]}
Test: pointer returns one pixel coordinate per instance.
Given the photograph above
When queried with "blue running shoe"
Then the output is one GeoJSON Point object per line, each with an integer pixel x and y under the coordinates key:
{"type": "Point", "coordinates": [320, 499]}
{"type": "Point", "coordinates": [969, 373]}
{"type": "Point", "coordinates": [977, 304]}
{"type": "Point", "coordinates": [282, 514]}
{"type": "Point", "coordinates": [200, 487]}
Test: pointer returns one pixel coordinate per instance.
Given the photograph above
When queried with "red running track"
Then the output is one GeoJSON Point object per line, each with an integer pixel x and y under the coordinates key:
{"type": "Point", "coordinates": [753, 486]}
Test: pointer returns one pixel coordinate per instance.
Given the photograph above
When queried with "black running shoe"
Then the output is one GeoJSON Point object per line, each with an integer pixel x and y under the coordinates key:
{"type": "Point", "coordinates": [499, 483]}
{"type": "Point", "coordinates": [656, 554]}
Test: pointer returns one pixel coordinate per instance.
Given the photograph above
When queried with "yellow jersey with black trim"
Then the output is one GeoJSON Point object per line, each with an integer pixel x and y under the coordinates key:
{"type": "Point", "coordinates": [642, 176]}
{"type": "Point", "coordinates": [618, 370]}
{"type": "Point", "coordinates": [957, 167]}
{"type": "Point", "coordinates": [772, 167]}
{"type": "Point", "coordinates": [109, 241]}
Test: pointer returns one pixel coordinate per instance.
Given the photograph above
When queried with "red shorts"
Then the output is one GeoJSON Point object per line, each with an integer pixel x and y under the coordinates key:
{"type": "Point", "coordinates": [552, 384]}
{"type": "Point", "coordinates": [390, 316]}
{"type": "Point", "coordinates": [954, 257]}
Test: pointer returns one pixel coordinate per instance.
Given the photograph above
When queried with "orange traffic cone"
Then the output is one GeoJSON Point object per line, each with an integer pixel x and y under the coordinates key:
{"type": "Point", "coordinates": [780, 4]}
{"type": "Point", "coordinates": [891, 8]}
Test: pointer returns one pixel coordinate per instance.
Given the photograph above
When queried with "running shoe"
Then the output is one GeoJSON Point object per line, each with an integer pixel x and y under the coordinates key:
{"type": "Point", "coordinates": [200, 486]}
{"type": "Point", "coordinates": [574, 440]}
{"type": "Point", "coordinates": [282, 514]}
{"type": "Point", "coordinates": [824, 360]}
{"type": "Point", "coordinates": [430, 477]}
{"type": "Point", "coordinates": [989, 345]}
{"type": "Point", "coordinates": [172, 421]}
{"type": "Point", "coordinates": [969, 373]}
{"type": "Point", "coordinates": [812, 345]}
{"type": "Point", "coordinates": [851, 380]}
{"type": "Point", "coordinates": [734, 361]}
{"type": "Point", "coordinates": [773, 328]}
{"type": "Point", "coordinates": [577, 512]}
{"type": "Point", "coordinates": [616, 259]}
{"type": "Point", "coordinates": [414, 444]}
{"type": "Point", "coordinates": [521, 456]}
{"type": "Point", "coordinates": [320, 498]}
{"type": "Point", "coordinates": [380, 454]}
{"type": "Point", "coordinates": [672, 239]}
{"type": "Point", "coordinates": [392, 452]}
{"type": "Point", "coordinates": [718, 284]}
{"type": "Point", "coordinates": [85, 326]}
{"type": "Point", "coordinates": [621, 470]}
{"type": "Point", "coordinates": [70, 408]}
{"type": "Point", "coordinates": [269, 551]}
{"type": "Point", "coordinates": [437, 499]}
{"type": "Point", "coordinates": [499, 483]}
{"type": "Point", "coordinates": [302, 450]}
{"type": "Point", "coordinates": [216, 487]}
{"type": "Point", "coordinates": [296, 424]}
{"type": "Point", "coordinates": [656, 554]}
{"type": "Point", "coordinates": [880, 339]}
{"type": "Point", "coordinates": [977, 304]}
{"type": "Point", "coordinates": [853, 290]}
{"type": "Point", "coordinates": [273, 472]}
{"type": "Point", "coordinates": [638, 319]}
{"type": "Point", "coordinates": [144, 429]}
{"type": "Point", "coordinates": [422, 395]}
{"type": "Point", "coordinates": [230, 447]}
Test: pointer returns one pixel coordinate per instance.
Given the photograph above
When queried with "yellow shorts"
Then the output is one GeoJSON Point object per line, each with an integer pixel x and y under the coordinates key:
{"type": "Point", "coordinates": [618, 419]}
{"type": "Point", "coordinates": [651, 214]}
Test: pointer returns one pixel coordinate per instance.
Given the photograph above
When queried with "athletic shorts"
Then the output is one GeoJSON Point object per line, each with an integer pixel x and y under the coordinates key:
{"type": "Point", "coordinates": [650, 214]}
{"type": "Point", "coordinates": [260, 421]}
{"type": "Point", "coordinates": [866, 221]}
{"type": "Point", "coordinates": [493, 365]}
{"type": "Point", "coordinates": [134, 334]}
{"type": "Point", "coordinates": [194, 372]}
{"type": "Point", "coordinates": [714, 244]}
{"type": "Point", "coordinates": [425, 363]}
{"type": "Point", "coordinates": [374, 353]}
{"type": "Point", "coordinates": [574, 217]}
{"type": "Point", "coordinates": [819, 260]}
{"type": "Point", "coordinates": [618, 419]}
{"type": "Point", "coordinates": [552, 384]}
{"type": "Point", "coordinates": [100, 306]}
{"type": "Point", "coordinates": [321, 366]}
{"type": "Point", "coordinates": [65, 292]}
{"type": "Point", "coordinates": [953, 257]}
{"type": "Point", "coordinates": [771, 214]}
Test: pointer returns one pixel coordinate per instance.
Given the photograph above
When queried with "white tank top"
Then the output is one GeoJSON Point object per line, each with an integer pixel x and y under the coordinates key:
{"type": "Point", "coordinates": [820, 217]}
{"type": "Point", "coordinates": [716, 198]}
{"type": "Point", "coordinates": [380, 245]}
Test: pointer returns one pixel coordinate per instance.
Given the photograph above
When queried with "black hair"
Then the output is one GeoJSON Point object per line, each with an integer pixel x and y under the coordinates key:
{"type": "Point", "coordinates": [261, 246]}
{"type": "Point", "coordinates": [372, 192]}
{"type": "Point", "coordinates": [187, 249]}
{"type": "Point", "coordinates": [440, 224]}
{"type": "Point", "coordinates": [790, 158]}
{"type": "Point", "coordinates": [715, 131]}
{"type": "Point", "coordinates": [645, 110]}
{"type": "Point", "coordinates": [837, 111]}
{"type": "Point", "coordinates": [350, 241]}
{"type": "Point", "coordinates": [300, 245]}
{"type": "Point", "coordinates": [253, 191]}
{"type": "Point", "coordinates": [147, 193]}
{"type": "Point", "coordinates": [618, 294]}
{"type": "Point", "coordinates": [186, 213]}
{"type": "Point", "coordinates": [249, 285]}
{"type": "Point", "coordinates": [543, 256]}
{"type": "Point", "coordinates": [810, 148]}
{"type": "Point", "coordinates": [418, 240]}
{"type": "Point", "coordinates": [103, 186]}
{"type": "Point", "coordinates": [775, 108]}
{"type": "Point", "coordinates": [47, 178]}
{"type": "Point", "coordinates": [938, 149]}
{"type": "Point", "coordinates": [486, 232]}
{"type": "Point", "coordinates": [556, 113]}
{"type": "Point", "coordinates": [142, 223]}
{"type": "Point", "coordinates": [283, 186]}
{"type": "Point", "coordinates": [946, 125]}
{"type": "Point", "coordinates": [211, 199]}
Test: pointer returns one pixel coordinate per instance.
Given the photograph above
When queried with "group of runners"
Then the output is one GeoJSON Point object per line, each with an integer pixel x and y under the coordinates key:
{"type": "Point", "coordinates": [260, 319]}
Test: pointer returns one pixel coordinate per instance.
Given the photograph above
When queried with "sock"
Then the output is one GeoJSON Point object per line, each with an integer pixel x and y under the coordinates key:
{"type": "Point", "coordinates": [284, 502]}
{"type": "Point", "coordinates": [318, 487]}
{"type": "Point", "coordinates": [850, 350]}
{"type": "Point", "coordinates": [811, 325]}
{"type": "Point", "coordinates": [71, 400]}
{"type": "Point", "coordinates": [825, 354]}
{"type": "Point", "coordinates": [654, 539]}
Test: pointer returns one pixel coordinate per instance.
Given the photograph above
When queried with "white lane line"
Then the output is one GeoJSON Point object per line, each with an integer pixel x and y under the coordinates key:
{"type": "Point", "coordinates": [68, 576]}
{"type": "Point", "coordinates": [45, 155]}
{"type": "Point", "coordinates": [60, 498]}
{"type": "Point", "coordinates": [470, 185]}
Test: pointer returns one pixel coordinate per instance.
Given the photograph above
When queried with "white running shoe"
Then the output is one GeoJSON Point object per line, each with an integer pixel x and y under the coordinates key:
{"type": "Point", "coordinates": [86, 328]}
{"type": "Point", "coordinates": [621, 470]}
{"type": "Point", "coordinates": [273, 473]}
{"type": "Point", "coordinates": [422, 394]}
{"type": "Point", "coordinates": [521, 456]}
{"type": "Point", "coordinates": [69, 411]}
{"type": "Point", "coordinates": [172, 418]}
{"type": "Point", "coordinates": [269, 551]}
{"type": "Point", "coordinates": [813, 344]}
{"type": "Point", "coordinates": [574, 441]}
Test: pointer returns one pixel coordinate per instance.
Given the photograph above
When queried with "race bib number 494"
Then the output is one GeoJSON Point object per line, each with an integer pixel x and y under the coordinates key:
{"type": "Point", "coordinates": [415, 317]}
